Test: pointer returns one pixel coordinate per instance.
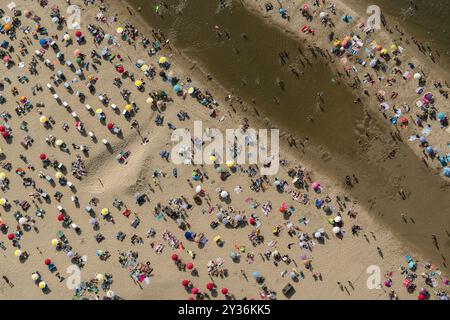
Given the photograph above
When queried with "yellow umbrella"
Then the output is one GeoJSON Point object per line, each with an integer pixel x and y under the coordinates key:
{"type": "Point", "coordinates": [119, 30]}
{"type": "Point", "coordinates": [149, 100]}
{"type": "Point", "coordinates": [144, 67]}
{"type": "Point", "coordinates": [384, 51]}
{"type": "Point", "coordinates": [42, 285]}
{"type": "Point", "coordinates": [98, 111]}
{"type": "Point", "coordinates": [105, 211]}
{"type": "Point", "coordinates": [393, 47]}
{"type": "Point", "coordinates": [230, 164]}
{"type": "Point", "coordinates": [66, 37]}
{"type": "Point", "coordinates": [17, 253]}
{"type": "Point", "coordinates": [43, 119]}
{"type": "Point", "coordinates": [212, 158]}
{"type": "Point", "coordinates": [128, 107]}
{"type": "Point", "coordinates": [100, 277]}
{"type": "Point", "coordinates": [55, 242]}
{"type": "Point", "coordinates": [3, 175]}
{"type": "Point", "coordinates": [191, 90]}
{"type": "Point", "coordinates": [2, 201]}
{"type": "Point", "coordinates": [162, 60]}
{"type": "Point", "coordinates": [138, 83]}
{"type": "Point", "coordinates": [59, 142]}
{"type": "Point", "coordinates": [59, 175]}
{"type": "Point", "coordinates": [35, 276]}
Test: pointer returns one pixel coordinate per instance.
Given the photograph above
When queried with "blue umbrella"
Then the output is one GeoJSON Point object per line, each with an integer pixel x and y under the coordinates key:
{"type": "Point", "coordinates": [42, 42]}
{"type": "Point", "coordinates": [446, 172]}
{"type": "Point", "coordinates": [441, 116]}
{"type": "Point", "coordinates": [188, 235]}
{"type": "Point", "coordinates": [177, 88]}
{"type": "Point", "coordinates": [429, 150]}
{"type": "Point", "coordinates": [281, 10]}
{"type": "Point", "coordinates": [422, 139]}
{"type": "Point", "coordinates": [318, 203]}
{"type": "Point", "coordinates": [256, 275]}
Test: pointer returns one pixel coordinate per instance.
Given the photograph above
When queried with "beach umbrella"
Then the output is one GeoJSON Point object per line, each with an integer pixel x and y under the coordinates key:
{"type": "Point", "coordinates": [417, 76]}
{"type": "Point", "coordinates": [223, 194]}
{"type": "Point", "coordinates": [224, 290]}
{"type": "Point", "coordinates": [70, 254]}
{"type": "Point", "coordinates": [27, 13]}
{"type": "Point", "coordinates": [210, 286]}
{"type": "Point", "coordinates": [185, 283]}
{"type": "Point", "coordinates": [43, 119]}
{"type": "Point", "coordinates": [58, 175]}
{"type": "Point", "coordinates": [60, 217]}
{"type": "Point", "coordinates": [17, 253]}
{"type": "Point", "coordinates": [212, 158]}
{"type": "Point", "coordinates": [110, 294]}
{"type": "Point", "coordinates": [43, 156]}
{"type": "Point", "coordinates": [230, 164]}
{"type": "Point", "coordinates": [55, 242]}
{"type": "Point", "coordinates": [110, 125]}
{"type": "Point", "coordinates": [105, 211]}
{"type": "Point", "coordinates": [195, 290]}
{"type": "Point", "coordinates": [162, 60]}
{"type": "Point", "coordinates": [293, 275]}
{"type": "Point", "coordinates": [98, 111]}
{"type": "Point", "coordinates": [119, 30]}
{"type": "Point", "coordinates": [100, 277]}
{"type": "Point", "coordinates": [47, 261]}
{"type": "Point", "coordinates": [42, 42]}
{"type": "Point", "coordinates": [188, 235]}
{"type": "Point", "coordinates": [144, 67]}
{"type": "Point", "coordinates": [441, 116]}
{"type": "Point", "coordinates": [35, 277]}
{"type": "Point", "coordinates": [138, 83]}
{"type": "Point", "coordinates": [2, 201]}
{"type": "Point", "coordinates": [177, 88]}
{"type": "Point", "coordinates": [252, 221]}
{"type": "Point", "coordinates": [323, 15]}
{"type": "Point", "coordinates": [23, 220]}
{"type": "Point", "coordinates": [76, 52]}
{"type": "Point", "coordinates": [11, 236]}
{"type": "Point", "coordinates": [66, 37]}
{"type": "Point", "coordinates": [55, 19]}
{"type": "Point", "coordinates": [42, 285]}
{"type": "Point", "coordinates": [120, 69]}
{"type": "Point", "coordinates": [191, 90]}
{"type": "Point", "coordinates": [336, 230]}
{"type": "Point", "coordinates": [128, 107]}
{"type": "Point", "coordinates": [99, 253]}
{"type": "Point", "coordinates": [189, 265]}
{"type": "Point", "coordinates": [446, 171]}
{"type": "Point", "coordinates": [3, 176]}
{"type": "Point", "coordinates": [5, 134]}
{"type": "Point", "coordinates": [238, 218]}
{"type": "Point", "coordinates": [92, 221]}
{"type": "Point", "coordinates": [315, 185]}
{"type": "Point", "coordinates": [317, 235]}
{"type": "Point", "coordinates": [149, 100]}
{"type": "Point", "coordinates": [78, 33]}
{"type": "Point", "coordinates": [174, 257]}
{"type": "Point", "coordinates": [256, 275]}
{"type": "Point", "coordinates": [59, 142]}
{"type": "Point", "coordinates": [338, 219]}
{"type": "Point", "coordinates": [2, 129]}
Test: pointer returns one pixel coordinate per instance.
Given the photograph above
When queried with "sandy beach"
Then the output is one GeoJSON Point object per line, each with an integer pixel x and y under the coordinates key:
{"type": "Point", "coordinates": [285, 233]}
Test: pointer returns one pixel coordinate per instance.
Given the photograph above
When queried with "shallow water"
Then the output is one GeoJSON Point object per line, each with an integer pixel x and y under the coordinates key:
{"type": "Point", "coordinates": [340, 130]}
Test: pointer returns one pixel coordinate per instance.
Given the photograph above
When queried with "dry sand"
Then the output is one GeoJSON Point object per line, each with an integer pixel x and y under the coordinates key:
{"type": "Point", "coordinates": [337, 260]}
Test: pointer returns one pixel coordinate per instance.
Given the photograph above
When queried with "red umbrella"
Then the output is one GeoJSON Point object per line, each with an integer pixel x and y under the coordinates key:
{"type": "Point", "coordinates": [224, 290]}
{"type": "Point", "coordinates": [5, 134]}
{"type": "Point", "coordinates": [120, 69]}
{"type": "Point", "coordinates": [210, 286]}
{"type": "Point", "coordinates": [252, 221]}
{"type": "Point", "coordinates": [174, 257]}
{"type": "Point", "coordinates": [185, 283]}
{"type": "Point", "coordinates": [189, 265]}
{"type": "Point", "coordinates": [43, 156]}
{"type": "Point", "coordinates": [191, 298]}
{"type": "Point", "coordinates": [47, 261]}
{"type": "Point", "coordinates": [421, 297]}
{"type": "Point", "coordinates": [195, 290]}
{"type": "Point", "coordinates": [110, 125]}
{"type": "Point", "coordinates": [78, 33]}
{"type": "Point", "coordinates": [2, 128]}
{"type": "Point", "coordinates": [60, 217]}
{"type": "Point", "coordinates": [11, 236]}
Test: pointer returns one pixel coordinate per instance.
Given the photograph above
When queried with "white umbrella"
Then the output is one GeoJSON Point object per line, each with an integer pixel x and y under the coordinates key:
{"type": "Point", "coordinates": [317, 235]}
{"type": "Point", "coordinates": [198, 189]}
{"type": "Point", "coordinates": [417, 76]}
{"type": "Point", "coordinates": [23, 220]}
{"type": "Point", "coordinates": [110, 294]}
{"type": "Point", "coordinates": [338, 219]}
{"type": "Point", "coordinates": [223, 194]}
{"type": "Point", "coordinates": [336, 230]}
